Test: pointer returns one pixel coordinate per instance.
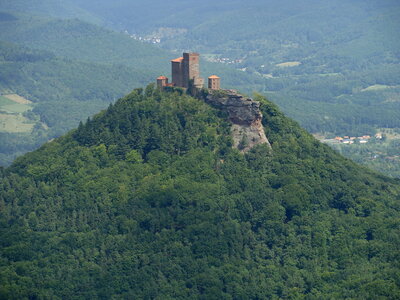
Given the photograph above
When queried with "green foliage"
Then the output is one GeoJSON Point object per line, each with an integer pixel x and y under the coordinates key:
{"type": "Point", "coordinates": [347, 82]}
{"type": "Point", "coordinates": [147, 200]}
{"type": "Point", "coordinates": [133, 156]}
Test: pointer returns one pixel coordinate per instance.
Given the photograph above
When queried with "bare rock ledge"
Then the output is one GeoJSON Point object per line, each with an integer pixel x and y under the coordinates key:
{"type": "Point", "coordinates": [245, 116]}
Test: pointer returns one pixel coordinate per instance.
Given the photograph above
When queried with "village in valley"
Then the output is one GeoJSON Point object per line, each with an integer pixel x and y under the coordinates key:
{"type": "Point", "coordinates": [379, 151]}
{"type": "Point", "coordinates": [351, 139]}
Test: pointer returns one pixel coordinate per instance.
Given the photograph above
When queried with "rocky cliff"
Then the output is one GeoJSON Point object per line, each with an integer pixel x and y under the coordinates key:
{"type": "Point", "coordinates": [245, 116]}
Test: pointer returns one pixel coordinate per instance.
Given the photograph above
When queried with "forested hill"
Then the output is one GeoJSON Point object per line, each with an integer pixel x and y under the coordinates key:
{"type": "Point", "coordinates": [148, 200]}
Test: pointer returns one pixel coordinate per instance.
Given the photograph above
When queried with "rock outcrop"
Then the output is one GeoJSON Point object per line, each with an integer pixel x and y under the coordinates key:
{"type": "Point", "coordinates": [245, 116]}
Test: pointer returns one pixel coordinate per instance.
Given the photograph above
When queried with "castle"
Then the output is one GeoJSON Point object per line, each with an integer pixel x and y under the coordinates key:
{"type": "Point", "coordinates": [186, 73]}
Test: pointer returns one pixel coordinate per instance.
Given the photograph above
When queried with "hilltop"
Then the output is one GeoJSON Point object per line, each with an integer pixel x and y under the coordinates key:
{"type": "Point", "coordinates": [149, 199]}
{"type": "Point", "coordinates": [69, 69]}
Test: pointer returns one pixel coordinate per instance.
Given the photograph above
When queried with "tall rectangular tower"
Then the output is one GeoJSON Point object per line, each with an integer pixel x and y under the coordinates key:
{"type": "Point", "coordinates": [191, 70]}
{"type": "Point", "coordinates": [185, 69]}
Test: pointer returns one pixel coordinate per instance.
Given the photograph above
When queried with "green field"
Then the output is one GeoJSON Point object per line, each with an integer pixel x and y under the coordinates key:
{"type": "Point", "coordinates": [9, 106]}
{"type": "Point", "coordinates": [5, 101]}
{"type": "Point", "coordinates": [11, 116]}
{"type": "Point", "coordinates": [15, 123]}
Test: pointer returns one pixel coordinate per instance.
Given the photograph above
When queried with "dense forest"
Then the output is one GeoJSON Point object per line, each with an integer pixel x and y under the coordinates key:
{"type": "Point", "coordinates": [148, 200]}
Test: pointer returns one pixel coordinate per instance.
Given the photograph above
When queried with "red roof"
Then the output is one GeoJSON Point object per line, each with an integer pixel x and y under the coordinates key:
{"type": "Point", "coordinates": [179, 59]}
{"type": "Point", "coordinates": [213, 77]}
{"type": "Point", "coordinates": [162, 77]}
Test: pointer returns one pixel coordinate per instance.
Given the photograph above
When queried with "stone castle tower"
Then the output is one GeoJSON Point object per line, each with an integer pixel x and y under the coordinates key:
{"type": "Point", "coordinates": [214, 82]}
{"type": "Point", "coordinates": [162, 81]}
{"type": "Point", "coordinates": [186, 73]}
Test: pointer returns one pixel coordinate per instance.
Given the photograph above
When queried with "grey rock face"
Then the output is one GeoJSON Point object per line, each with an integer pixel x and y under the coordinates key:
{"type": "Point", "coordinates": [245, 115]}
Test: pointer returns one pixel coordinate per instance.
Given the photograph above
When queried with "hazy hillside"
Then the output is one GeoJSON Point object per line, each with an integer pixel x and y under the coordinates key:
{"type": "Point", "coordinates": [148, 200]}
{"type": "Point", "coordinates": [79, 40]}
{"type": "Point", "coordinates": [54, 8]}
{"type": "Point", "coordinates": [71, 70]}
